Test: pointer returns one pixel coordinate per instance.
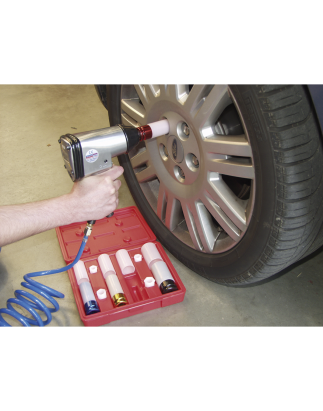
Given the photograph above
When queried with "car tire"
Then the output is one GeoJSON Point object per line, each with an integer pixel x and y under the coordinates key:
{"type": "Point", "coordinates": [286, 222]}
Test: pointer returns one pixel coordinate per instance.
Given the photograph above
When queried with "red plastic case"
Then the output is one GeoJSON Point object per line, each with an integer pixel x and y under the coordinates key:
{"type": "Point", "coordinates": [126, 229]}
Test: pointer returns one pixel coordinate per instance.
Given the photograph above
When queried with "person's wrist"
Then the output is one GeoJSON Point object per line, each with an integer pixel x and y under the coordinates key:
{"type": "Point", "coordinates": [69, 209]}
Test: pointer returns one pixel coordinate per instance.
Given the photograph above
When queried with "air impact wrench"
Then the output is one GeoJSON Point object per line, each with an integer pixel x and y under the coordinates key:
{"type": "Point", "coordinates": [91, 152]}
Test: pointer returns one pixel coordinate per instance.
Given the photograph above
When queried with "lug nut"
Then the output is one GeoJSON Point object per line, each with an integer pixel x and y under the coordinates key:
{"type": "Point", "coordinates": [185, 129]}
{"type": "Point", "coordinates": [195, 161]}
{"type": "Point", "coordinates": [163, 152]}
{"type": "Point", "coordinates": [181, 173]}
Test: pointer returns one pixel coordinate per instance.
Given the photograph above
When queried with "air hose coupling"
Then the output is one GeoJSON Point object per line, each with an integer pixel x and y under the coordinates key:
{"type": "Point", "coordinates": [88, 228]}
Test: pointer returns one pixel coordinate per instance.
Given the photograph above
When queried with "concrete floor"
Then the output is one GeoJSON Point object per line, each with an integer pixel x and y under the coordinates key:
{"type": "Point", "coordinates": [31, 120]}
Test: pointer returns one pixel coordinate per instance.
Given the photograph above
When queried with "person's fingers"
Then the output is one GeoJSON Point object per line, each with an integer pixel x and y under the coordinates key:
{"type": "Point", "coordinates": [112, 199]}
{"type": "Point", "coordinates": [112, 190]}
{"type": "Point", "coordinates": [116, 172]}
{"type": "Point", "coordinates": [113, 173]}
{"type": "Point", "coordinates": [117, 184]}
{"type": "Point", "coordinates": [113, 205]}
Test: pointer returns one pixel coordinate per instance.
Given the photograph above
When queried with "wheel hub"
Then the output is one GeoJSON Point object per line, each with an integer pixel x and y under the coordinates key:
{"type": "Point", "coordinates": [184, 151]}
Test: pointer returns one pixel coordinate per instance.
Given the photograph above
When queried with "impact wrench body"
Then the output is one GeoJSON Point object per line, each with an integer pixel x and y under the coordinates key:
{"type": "Point", "coordinates": [91, 152]}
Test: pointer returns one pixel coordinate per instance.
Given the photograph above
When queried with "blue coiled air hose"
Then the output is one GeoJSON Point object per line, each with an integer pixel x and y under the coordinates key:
{"type": "Point", "coordinates": [23, 297]}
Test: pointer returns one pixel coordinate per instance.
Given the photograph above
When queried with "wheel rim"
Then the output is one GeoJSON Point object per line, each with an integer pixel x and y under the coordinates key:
{"type": "Point", "coordinates": [200, 178]}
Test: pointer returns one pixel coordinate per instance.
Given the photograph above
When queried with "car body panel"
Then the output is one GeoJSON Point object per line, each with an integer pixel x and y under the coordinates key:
{"type": "Point", "coordinates": [316, 91]}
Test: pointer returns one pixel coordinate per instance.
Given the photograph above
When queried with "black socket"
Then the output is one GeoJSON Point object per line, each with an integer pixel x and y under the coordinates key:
{"type": "Point", "coordinates": [132, 136]}
{"type": "Point", "coordinates": [168, 286]}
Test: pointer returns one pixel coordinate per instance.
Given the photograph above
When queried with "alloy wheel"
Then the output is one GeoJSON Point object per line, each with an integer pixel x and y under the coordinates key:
{"type": "Point", "coordinates": [200, 178]}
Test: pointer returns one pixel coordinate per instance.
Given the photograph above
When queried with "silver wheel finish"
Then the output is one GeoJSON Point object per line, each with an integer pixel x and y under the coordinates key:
{"type": "Point", "coordinates": [184, 175]}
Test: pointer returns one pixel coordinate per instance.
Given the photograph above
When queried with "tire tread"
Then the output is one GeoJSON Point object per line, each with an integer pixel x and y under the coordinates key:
{"type": "Point", "coordinates": [297, 229]}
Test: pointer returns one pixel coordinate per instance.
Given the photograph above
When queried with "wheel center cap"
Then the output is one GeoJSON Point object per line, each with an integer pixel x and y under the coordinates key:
{"type": "Point", "coordinates": [176, 149]}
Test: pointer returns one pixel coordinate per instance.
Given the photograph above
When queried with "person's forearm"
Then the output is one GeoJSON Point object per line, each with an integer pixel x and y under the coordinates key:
{"type": "Point", "coordinates": [23, 220]}
{"type": "Point", "coordinates": [92, 198]}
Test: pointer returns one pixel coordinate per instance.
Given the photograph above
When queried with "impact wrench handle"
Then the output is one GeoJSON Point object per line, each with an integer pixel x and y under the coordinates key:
{"type": "Point", "coordinates": [92, 222]}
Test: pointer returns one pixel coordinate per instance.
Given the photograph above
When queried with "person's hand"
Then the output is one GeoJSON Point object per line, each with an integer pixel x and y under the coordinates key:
{"type": "Point", "coordinates": [95, 197]}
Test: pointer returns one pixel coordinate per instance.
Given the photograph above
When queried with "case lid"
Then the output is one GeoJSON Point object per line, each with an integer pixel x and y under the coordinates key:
{"type": "Point", "coordinates": [126, 228]}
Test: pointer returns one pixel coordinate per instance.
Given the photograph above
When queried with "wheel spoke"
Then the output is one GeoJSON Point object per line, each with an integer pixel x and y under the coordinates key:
{"type": "Point", "coordinates": [223, 220]}
{"type": "Point", "coordinates": [152, 91]}
{"type": "Point", "coordinates": [228, 145]}
{"type": "Point", "coordinates": [140, 159]}
{"type": "Point", "coordinates": [178, 92]}
{"type": "Point", "coordinates": [147, 174]}
{"type": "Point", "coordinates": [216, 101]}
{"type": "Point", "coordinates": [140, 89]}
{"type": "Point", "coordinates": [163, 90]}
{"type": "Point", "coordinates": [230, 204]}
{"type": "Point", "coordinates": [196, 97]}
{"type": "Point", "coordinates": [134, 109]}
{"type": "Point", "coordinates": [128, 121]}
{"type": "Point", "coordinates": [161, 202]}
{"type": "Point", "coordinates": [207, 231]}
{"type": "Point", "coordinates": [232, 166]}
{"type": "Point", "coordinates": [174, 215]}
{"type": "Point", "coordinates": [192, 227]}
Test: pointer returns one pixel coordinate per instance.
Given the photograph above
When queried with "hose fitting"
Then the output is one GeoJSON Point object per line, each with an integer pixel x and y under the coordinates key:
{"type": "Point", "coordinates": [88, 229]}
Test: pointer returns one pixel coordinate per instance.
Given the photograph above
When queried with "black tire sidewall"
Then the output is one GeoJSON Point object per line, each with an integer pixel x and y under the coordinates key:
{"type": "Point", "coordinates": [238, 261]}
